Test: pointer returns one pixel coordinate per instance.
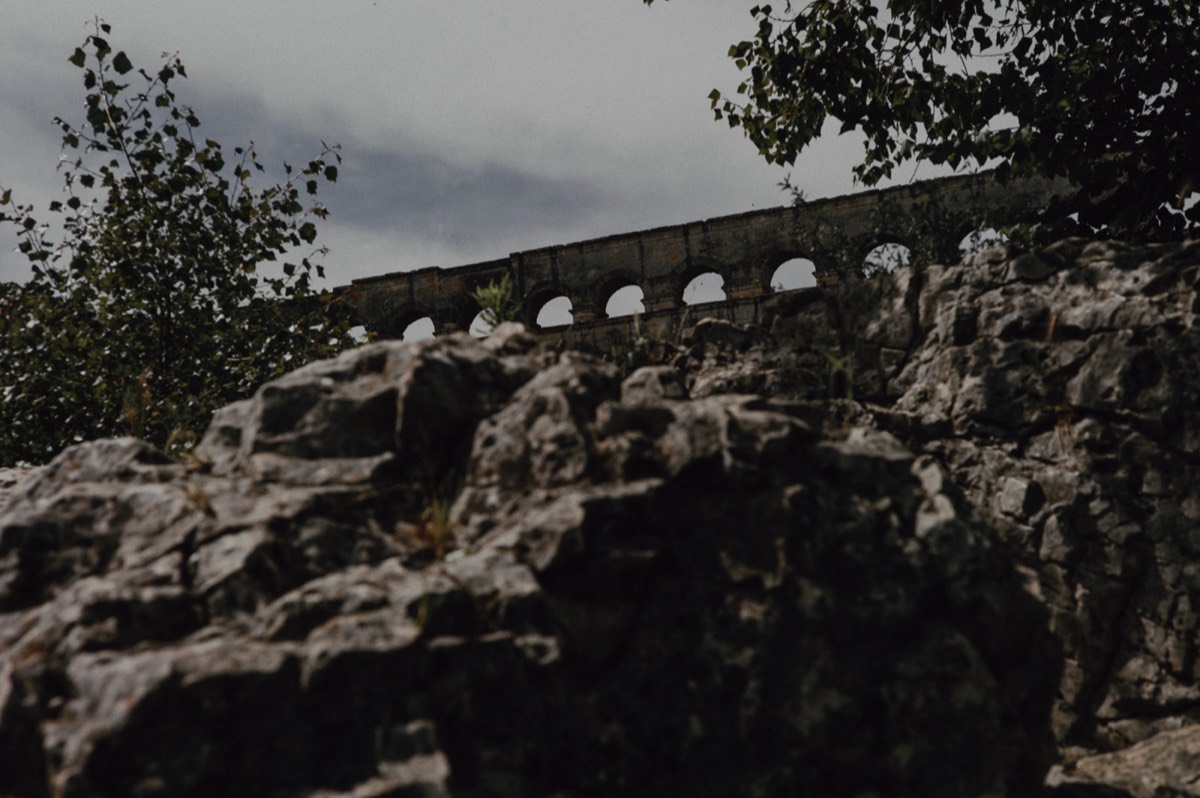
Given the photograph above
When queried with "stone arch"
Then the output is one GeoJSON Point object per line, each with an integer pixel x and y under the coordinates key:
{"type": "Point", "coordinates": [557, 312]}
{"type": "Point", "coordinates": [478, 328]}
{"type": "Point", "coordinates": [613, 282]}
{"type": "Point", "coordinates": [406, 315]}
{"type": "Point", "coordinates": [794, 273]}
{"type": "Point", "coordinates": [686, 273]}
{"type": "Point", "coordinates": [537, 298]}
{"type": "Point", "coordinates": [420, 330]}
{"type": "Point", "coordinates": [628, 300]}
{"type": "Point", "coordinates": [965, 226]}
{"type": "Point", "coordinates": [462, 312]}
{"type": "Point", "coordinates": [704, 288]}
{"type": "Point", "coordinates": [879, 239]}
{"type": "Point", "coordinates": [977, 237]}
{"type": "Point", "coordinates": [885, 251]}
{"type": "Point", "coordinates": [769, 267]}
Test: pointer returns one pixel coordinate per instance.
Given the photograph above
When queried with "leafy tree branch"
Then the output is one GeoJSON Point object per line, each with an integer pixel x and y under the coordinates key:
{"type": "Point", "coordinates": [150, 312]}
{"type": "Point", "coordinates": [1104, 93]}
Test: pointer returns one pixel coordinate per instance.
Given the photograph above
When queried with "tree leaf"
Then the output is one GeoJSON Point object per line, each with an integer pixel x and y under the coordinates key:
{"type": "Point", "coordinates": [121, 63]}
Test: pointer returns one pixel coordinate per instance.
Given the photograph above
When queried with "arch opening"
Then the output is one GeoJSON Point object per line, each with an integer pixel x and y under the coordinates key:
{"type": "Point", "coordinates": [625, 301]}
{"type": "Point", "coordinates": [555, 312]}
{"type": "Point", "coordinates": [887, 258]}
{"type": "Point", "coordinates": [706, 287]}
{"type": "Point", "coordinates": [793, 274]}
{"type": "Point", "coordinates": [479, 327]}
{"type": "Point", "coordinates": [418, 330]}
{"type": "Point", "coordinates": [979, 240]}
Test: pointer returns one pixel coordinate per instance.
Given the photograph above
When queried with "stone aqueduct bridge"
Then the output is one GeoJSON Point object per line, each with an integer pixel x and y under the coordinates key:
{"type": "Point", "coordinates": [744, 249]}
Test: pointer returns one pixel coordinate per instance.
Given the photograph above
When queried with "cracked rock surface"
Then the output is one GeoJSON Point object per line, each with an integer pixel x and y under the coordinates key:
{"type": "Point", "coordinates": [929, 535]}
{"type": "Point", "coordinates": [1059, 389]}
{"type": "Point", "coordinates": [463, 568]}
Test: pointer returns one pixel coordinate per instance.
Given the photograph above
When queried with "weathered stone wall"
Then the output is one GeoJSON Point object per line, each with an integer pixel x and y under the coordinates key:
{"type": "Point", "coordinates": [745, 249]}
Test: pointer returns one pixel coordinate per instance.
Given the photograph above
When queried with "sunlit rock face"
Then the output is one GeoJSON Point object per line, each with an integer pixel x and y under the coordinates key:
{"type": "Point", "coordinates": [919, 536]}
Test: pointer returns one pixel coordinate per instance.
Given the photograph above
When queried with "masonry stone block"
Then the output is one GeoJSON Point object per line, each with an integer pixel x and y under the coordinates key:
{"type": "Point", "coordinates": [744, 249]}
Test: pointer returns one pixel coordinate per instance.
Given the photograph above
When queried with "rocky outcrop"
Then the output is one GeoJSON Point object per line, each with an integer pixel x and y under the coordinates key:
{"type": "Point", "coordinates": [1073, 427]}
{"type": "Point", "coordinates": [484, 569]}
{"type": "Point", "coordinates": [1059, 389]}
{"type": "Point", "coordinates": [921, 536]}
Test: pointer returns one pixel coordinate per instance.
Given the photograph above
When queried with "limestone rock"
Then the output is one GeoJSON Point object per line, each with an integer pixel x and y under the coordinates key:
{"type": "Point", "coordinates": [485, 569]}
{"type": "Point", "coordinates": [1058, 387]}
{"type": "Point", "coordinates": [1068, 419]}
{"type": "Point", "coordinates": [916, 536]}
{"type": "Point", "coordinates": [1166, 765]}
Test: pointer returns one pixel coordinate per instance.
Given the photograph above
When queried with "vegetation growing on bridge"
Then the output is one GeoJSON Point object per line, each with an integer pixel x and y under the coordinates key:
{"type": "Point", "coordinates": [497, 302]}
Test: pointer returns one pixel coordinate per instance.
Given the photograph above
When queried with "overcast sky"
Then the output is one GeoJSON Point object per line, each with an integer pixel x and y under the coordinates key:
{"type": "Point", "coordinates": [469, 130]}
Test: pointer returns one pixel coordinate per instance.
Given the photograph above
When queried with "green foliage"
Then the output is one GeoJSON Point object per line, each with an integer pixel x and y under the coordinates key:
{"type": "Point", "coordinates": [434, 531]}
{"type": "Point", "coordinates": [841, 375]}
{"type": "Point", "coordinates": [913, 236]}
{"type": "Point", "coordinates": [1101, 92]}
{"type": "Point", "coordinates": [150, 312]}
{"type": "Point", "coordinates": [497, 301]}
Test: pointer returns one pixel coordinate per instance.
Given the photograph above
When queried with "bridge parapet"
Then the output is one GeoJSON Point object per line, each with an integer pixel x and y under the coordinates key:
{"type": "Point", "coordinates": [744, 249]}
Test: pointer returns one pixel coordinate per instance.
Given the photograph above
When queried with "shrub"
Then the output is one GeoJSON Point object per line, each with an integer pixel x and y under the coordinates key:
{"type": "Point", "coordinates": [151, 312]}
{"type": "Point", "coordinates": [497, 302]}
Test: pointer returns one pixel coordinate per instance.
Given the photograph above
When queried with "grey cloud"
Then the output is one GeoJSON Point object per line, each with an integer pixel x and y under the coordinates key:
{"type": "Point", "coordinates": [408, 190]}
{"type": "Point", "coordinates": [463, 139]}
{"type": "Point", "coordinates": [422, 194]}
